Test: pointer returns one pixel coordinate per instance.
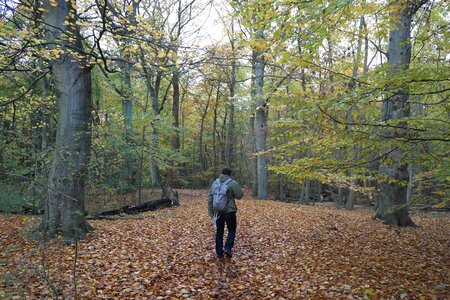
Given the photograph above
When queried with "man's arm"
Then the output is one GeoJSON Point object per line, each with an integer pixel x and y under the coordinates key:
{"type": "Point", "coordinates": [237, 191]}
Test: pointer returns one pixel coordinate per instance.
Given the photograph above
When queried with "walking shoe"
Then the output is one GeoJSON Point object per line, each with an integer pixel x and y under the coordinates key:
{"type": "Point", "coordinates": [227, 253]}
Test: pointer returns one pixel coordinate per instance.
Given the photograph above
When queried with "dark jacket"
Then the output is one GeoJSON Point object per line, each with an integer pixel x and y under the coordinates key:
{"type": "Point", "coordinates": [234, 191]}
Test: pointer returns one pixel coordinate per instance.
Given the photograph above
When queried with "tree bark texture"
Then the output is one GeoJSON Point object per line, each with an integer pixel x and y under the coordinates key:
{"type": "Point", "coordinates": [127, 91]}
{"type": "Point", "coordinates": [127, 104]}
{"type": "Point", "coordinates": [311, 191]}
{"type": "Point", "coordinates": [232, 87]}
{"type": "Point", "coordinates": [392, 206]}
{"type": "Point", "coordinates": [253, 159]}
{"type": "Point", "coordinates": [260, 118]}
{"type": "Point", "coordinates": [154, 138]}
{"type": "Point", "coordinates": [155, 173]}
{"type": "Point", "coordinates": [65, 211]}
{"type": "Point", "coordinates": [305, 192]}
{"type": "Point", "coordinates": [214, 133]}
{"type": "Point", "coordinates": [201, 152]}
{"type": "Point", "coordinates": [176, 111]}
{"type": "Point", "coordinates": [127, 111]}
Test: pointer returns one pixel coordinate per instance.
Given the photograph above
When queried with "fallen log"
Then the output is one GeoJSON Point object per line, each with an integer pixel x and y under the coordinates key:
{"type": "Point", "coordinates": [169, 198]}
{"type": "Point", "coordinates": [135, 209]}
{"type": "Point", "coordinates": [120, 217]}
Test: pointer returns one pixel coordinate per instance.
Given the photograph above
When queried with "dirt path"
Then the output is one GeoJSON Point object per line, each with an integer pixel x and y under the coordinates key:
{"type": "Point", "coordinates": [283, 251]}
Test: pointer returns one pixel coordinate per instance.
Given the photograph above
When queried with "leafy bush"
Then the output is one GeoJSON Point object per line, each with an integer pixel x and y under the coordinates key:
{"type": "Point", "coordinates": [12, 201]}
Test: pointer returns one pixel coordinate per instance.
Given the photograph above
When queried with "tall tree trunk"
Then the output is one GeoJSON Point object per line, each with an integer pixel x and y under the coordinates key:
{"type": "Point", "coordinates": [176, 111]}
{"type": "Point", "coordinates": [127, 101]}
{"type": "Point", "coordinates": [127, 104]}
{"type": "Point", "coordinates": [416, 112]}
{"type": "Point", "coordinates": [409, 189]}
{"type": "Point", "coordinates": [154, 137]}
{"type": "Point", "coordinates": [36, 131]}
{"type": "Point", "coordinates": [141, 164]}
{"type": "Point", "coordinates": [281, 192]}
{"type": "Point", "coordinates": [350, 201]}
{"type": "Point", "coordinates": [183, 113]}
{"type": "Point", "coordinates": [260, 118]}
{"type": "Point", "coordinates": [392, 197]}
{"type": "Point", "coordinates": [216, 107]}
{"type": "Point", "coordinates": [305, 192]}
{"type": "Point", "coordinates": [366, 48]}
{"type": "Point", "coordinates": [311, 191]}
{"type": "Point", "coordinates": [37, 118]}
{"type": "Point", "coordinates": [253, 159]}
{"type": "Point", "coordinates": [200, 144]}
{"type": "Point", "coordinates": [143, 139]}
{"type": "Point", "coordinates": [125, 90]}
{"type": "Point", "coordinates": [232, 86]}
{"type": "Point", "coordinates": [127, 111]}
{"type": "Point", "coordinates": [316, 191]}
{"type": "Point", "coordinates": [201, 153]}
{"type": "Point", "coordinates": [230, 135]}
{"type": "Point", "coordinates": [65, 210]}
{"type": "Point", "coordinates": [155, 173]}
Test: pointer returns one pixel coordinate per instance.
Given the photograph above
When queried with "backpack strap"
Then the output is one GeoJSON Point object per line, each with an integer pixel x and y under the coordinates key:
{"type": "Point", "coordinates": [228, 181]}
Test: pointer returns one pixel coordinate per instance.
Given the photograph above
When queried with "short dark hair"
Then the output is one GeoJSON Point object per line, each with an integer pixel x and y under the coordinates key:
{"type": "Point", "coordinates": [226, 171]}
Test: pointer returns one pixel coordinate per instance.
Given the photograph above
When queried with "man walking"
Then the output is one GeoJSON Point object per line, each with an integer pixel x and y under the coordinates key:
{"type": "Point", "coordinates": [226, 215]}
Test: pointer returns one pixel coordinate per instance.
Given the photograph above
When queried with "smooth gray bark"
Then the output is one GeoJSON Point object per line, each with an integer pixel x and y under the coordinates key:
{"type": "Point", "coordinates": [65, 211]}
{"type": "Point", "coordinates": [261, 114]}
{"type": "Point", "coordinates": [155, 173]}
{"type": "Point", "coordinates": [127, 103]}
{"type": "Point", "coordinates": [153, 88]}
{"type": "Point", "coordinates": [232, 87]}
{"type": "Point", "coordinates": [305, 192]}
{"type": "Point", "coordinates": [253, 160]}
{"type": "Point", "coordinates": [311, 191]}
{"type": "Point", "coordinates": [127, 111]}
{"type": "Point", "coordinates": [214, 133]}
{"type": "Point", "coordinates": [202, 159]}
{"type": "Point", "coordinates": [392, 204]}
{"type": "Point", "coordinates": [176, 111]}
{"type": "Point", "coordinates": [230, 134]}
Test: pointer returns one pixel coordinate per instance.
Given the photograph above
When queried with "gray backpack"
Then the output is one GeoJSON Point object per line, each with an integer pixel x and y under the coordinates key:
{"type": "Point", "coordinates": [219, 192]}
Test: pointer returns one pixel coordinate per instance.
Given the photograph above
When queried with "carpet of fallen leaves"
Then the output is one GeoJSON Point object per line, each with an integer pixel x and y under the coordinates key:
{"type": "Point", "coordinates": [282, 251]}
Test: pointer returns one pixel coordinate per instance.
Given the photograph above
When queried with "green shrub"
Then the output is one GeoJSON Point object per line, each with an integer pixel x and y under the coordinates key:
{"type": "Point", "coordinates": [13, 201]}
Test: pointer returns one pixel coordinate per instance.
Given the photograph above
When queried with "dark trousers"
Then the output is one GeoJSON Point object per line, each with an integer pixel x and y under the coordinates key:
{"type": "Point", "coordinates": [230, 220]}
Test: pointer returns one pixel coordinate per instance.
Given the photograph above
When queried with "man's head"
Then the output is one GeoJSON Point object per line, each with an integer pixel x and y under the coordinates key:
{"type": "Point", "coordinates": [226, 171]}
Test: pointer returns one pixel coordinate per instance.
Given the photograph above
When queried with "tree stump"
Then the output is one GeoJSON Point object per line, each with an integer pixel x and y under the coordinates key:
{"type": "Point", "coordinates": [169, 193]}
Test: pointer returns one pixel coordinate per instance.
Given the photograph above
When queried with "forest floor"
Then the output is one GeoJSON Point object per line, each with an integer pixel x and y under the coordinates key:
{"type": "Point", "coordinates": [282, 251]}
